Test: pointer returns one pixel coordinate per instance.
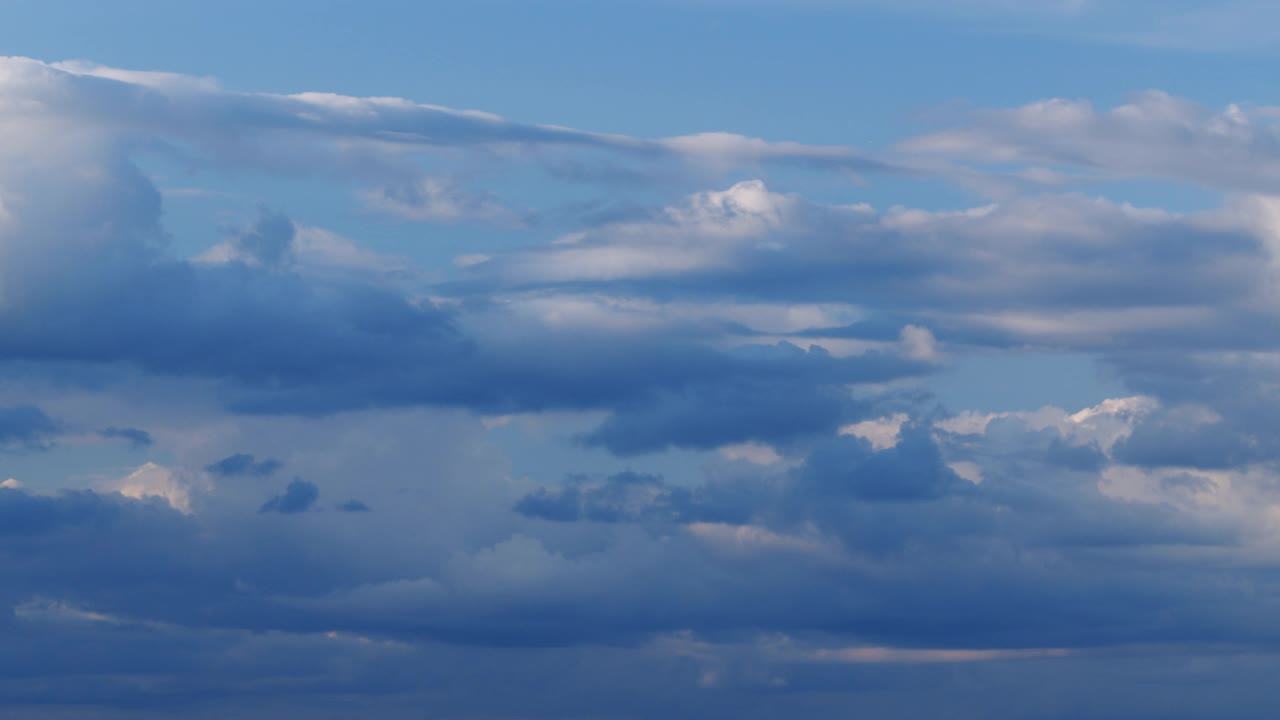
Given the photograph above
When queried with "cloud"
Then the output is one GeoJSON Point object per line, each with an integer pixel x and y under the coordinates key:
{"type": "Point", "coordinates": [793, 393]}
{"type": "Point", "coordinates": [298, 497]}
{"type": "Point", "coordinates": [1052, 270]}
{"type": "Point", "coordinates": [625, 496]}
{"type": "Point", "coordinates": [740, 217]}
{"type": "Point", "coordinates": [243, 464]}
{"type": "Point", "coordinates": [748, 240]}
{"type": "Point", "coordinates": [744, 242]}
{"type": "Point", "coordinates": [26, 427]}
{"type": "Point", "coordinates": [912, 469]}
{"type": "Point", "coordinates": [201, 121]}
{"type": "Point", "coordinates": [268, 242]}
{"type": "Point", "coordinates": [441, 201]}
{"type": "Point", "coordinates": [314, 253]}
{"type": "Point", "coordinates": [135, 437]}
{"type": "Point", "coordinates": [853, 547]}
{"type": "Point", "coordinates": [822, 512]}
{"type": "Point", "coordinates": [1154, 135]}
{"type": "Point", "coordinates": [27, 514]}
{"type": "Point", "coordinates": [175, 486]}
{"type": "Point", "coordinates": [1191, 436]}
{"type": "Point", "coordinates": [292, 320]}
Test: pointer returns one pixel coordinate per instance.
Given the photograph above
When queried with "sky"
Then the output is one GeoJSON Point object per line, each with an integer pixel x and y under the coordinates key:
{"type": "Point", "coordinates": [627, 360]}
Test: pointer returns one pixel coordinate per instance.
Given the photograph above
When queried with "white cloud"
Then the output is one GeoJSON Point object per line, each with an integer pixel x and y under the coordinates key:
{"type": "Point", "coordinates": [919, 344]}
{"type": "Point", "coordinates": [1103, 424]}
{"type": "Point", "coordinates": [882, 432]}
{"type": "Point", "coordinates": [175, 486]}
{"type": "Point", "coordinates": [1154, 135]}
{"type": "Point", "coordinates": [702, 232]}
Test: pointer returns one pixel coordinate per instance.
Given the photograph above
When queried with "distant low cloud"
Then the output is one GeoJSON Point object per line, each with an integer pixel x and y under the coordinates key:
{"type": "Point", "coordinates": [622, 497]}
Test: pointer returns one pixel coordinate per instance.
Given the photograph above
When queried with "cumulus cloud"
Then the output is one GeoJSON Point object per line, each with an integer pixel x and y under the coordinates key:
{"type": "Point", "coordinates": [912, 469]}
{"type": "Point", "coordinates": [847, 504]}
{"type": "Point", "coordinates": [820, 510]}
{"type": "Point", "coordinates": [856, 547]}
{"type": "Point", "coordinates": [254, 312]}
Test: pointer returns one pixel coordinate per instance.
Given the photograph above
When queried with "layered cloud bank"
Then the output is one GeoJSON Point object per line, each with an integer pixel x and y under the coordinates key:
{"type": "Point", "coordinates": [270, 460]}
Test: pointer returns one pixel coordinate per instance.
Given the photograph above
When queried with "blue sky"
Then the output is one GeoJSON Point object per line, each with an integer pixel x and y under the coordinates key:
{"type": "Point", "coordinates": [719, 359]}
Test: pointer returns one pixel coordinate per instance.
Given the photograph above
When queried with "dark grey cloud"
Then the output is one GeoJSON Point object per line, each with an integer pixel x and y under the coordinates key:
{"type": "Point", "coordinates": [26, 427]}
{"type": "Point", "coordinates": [912, 470]}
{"type": "Point", "coordinates": [333, 678]}
{"type": "Point", "coordinates": [1183, 437]}
{"type": "Point", "coordinates": [243, 464]}
{"type": "Point", "coordinates": [299, 496]}
{"type": "Point", "coordinates": [622, 497]}
{"type": "Point", "coordinates": [33, 515]}
{"type": "Point", "coordinates": [355, 506]}
{"type": "Point", "coordinates": [1218, 404]}
{"type": "Point", "coordinates": [135, 437]}
{"type": "Point", "coordinates": [289, 346]}
{"type": "Point", "coordinates": [789, 393]}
